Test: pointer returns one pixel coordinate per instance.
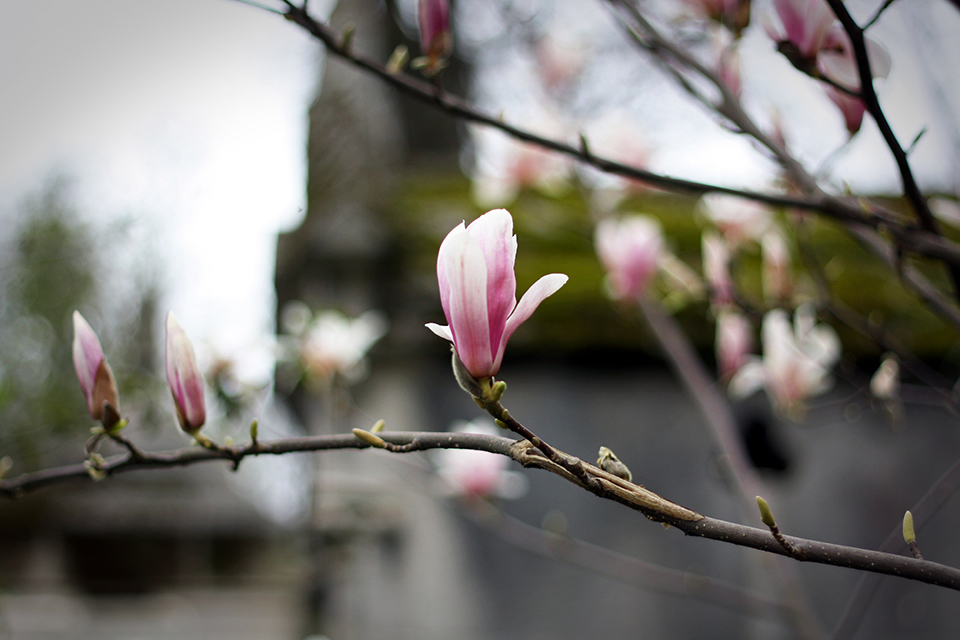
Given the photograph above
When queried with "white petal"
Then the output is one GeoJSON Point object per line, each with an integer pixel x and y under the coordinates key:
{"type": "Point", "coordinates": [441, 330]}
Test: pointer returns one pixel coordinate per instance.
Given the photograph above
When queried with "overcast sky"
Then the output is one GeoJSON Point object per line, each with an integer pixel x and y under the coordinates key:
{"type": "Point", "coordinates": [187, 117]}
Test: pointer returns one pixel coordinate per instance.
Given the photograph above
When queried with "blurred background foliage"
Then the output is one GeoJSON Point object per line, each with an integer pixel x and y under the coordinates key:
{"type": "Point", "coordinates": [57, 262]}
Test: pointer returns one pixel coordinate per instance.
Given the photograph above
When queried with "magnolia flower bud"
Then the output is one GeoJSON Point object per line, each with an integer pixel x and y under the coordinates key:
{"type": "Point", "coordinates": [436, 40]}
{"type": "Point", "coordinates": [630, 251]}
{"type": "Point", "coordinates": [184, 378]}
{"type": "Point", "coordinates": [95, 376]}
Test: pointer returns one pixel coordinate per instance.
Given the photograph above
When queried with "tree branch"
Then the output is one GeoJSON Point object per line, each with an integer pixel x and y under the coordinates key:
{"type": "Point", "coordinates": [908, 237]}
{"type": "Point", "coordinates": [869, 96]}
{"type": "Point", "coordinates": [599, 482]}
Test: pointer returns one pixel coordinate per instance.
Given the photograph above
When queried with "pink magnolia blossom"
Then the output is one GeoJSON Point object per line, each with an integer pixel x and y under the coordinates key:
{"type": "Point", "coordinates": [96, 378]}
{"type": "Point", "coordinates": [777, 278]}
{"type": "Point", "coordinates": [716, 268]}
{"type": "Point", "coordinates": [184, 378]}
{"type": "Point", "coordinates": [630, 251]}
{"type": "Point", "coordinates": [734, 14]}
{"type": "Point", "coordinates": [478, 291]}
{"type": "Point", "coordinates": [734, 341]}
{"type": "Point", "coordinates": [738, 219]}
{"type": "Point", "coordinates": [803, 24]}
{"type": "Point", "coordinates": [796, 362]}
{"type": "Point", "coordinates": [838, 63]}
{"type": "Point", "coordinates": [478, 474]}
{"type": "Point", "coordinates": [506, 166]}
{"type": "Point", "coordinates": [436, 41]}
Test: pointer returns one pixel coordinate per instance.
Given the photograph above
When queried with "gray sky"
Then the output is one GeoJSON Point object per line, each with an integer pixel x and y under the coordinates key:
{"type": "Point", "coordinates": [189, 115]}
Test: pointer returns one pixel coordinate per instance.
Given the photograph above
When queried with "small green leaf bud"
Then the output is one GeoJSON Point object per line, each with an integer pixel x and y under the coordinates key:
{"type": "Point", "coordinates": [766, 515]}
{"type": "Point", "coordinates": [254, 430]}
{"type": "Point", "coordinates": [347, 38]}
{"type": "Point", "coordinates": [370, 439]}
{"type": "Point", "coordinates": [94, 465]}
{"type": "Point", "coordinates": [496, 391]}
{"type": "Point", "coordinates": [909, 535]}
{"type": "Point", "coordinates": [398, 59]}
{"type": "Point", "coordinates": [378, 426]}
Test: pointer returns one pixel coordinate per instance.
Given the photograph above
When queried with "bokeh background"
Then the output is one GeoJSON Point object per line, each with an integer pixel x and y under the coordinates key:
{"type": "Point", "coordinates": [207, 157]}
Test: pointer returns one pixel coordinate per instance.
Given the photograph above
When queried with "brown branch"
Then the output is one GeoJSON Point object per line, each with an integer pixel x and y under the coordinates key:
{"type": "Point", "coordinates": [606, 485]}
{"type": "Point", "coordinates": [693, 524]}
{"type": "Point", "coordinates": [135, 459]}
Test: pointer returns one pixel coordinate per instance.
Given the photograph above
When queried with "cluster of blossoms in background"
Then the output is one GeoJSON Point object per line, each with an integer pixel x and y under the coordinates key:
{"type": "Point", "coordinates": [328, 343]}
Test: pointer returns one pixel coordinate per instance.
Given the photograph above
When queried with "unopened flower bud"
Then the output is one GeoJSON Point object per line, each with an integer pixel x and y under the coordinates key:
{"type": "Point", "coordinates": [95, 376]}
{"type": "Point", "coordinates": [436, 40]}
{"type": "Point", "coordinates": [184, 378]}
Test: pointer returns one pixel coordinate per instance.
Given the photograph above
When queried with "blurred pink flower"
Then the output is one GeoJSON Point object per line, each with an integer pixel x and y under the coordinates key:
{"type": "Point", "coordinates": [716, 268]}
{"type": "Point", "coordinates": [734, 14]}
{"type": "Point", "coordinates": [738, 219]}
{"type": "Point", "coordinates": [804, 24]}
{"type": "Point", "coordinates": [471, 473]}
{"type": "Point", "coordinates": [184, 378]}
{"type": "Point", "coordinates": [95, 376]}
{"type": "Point", "coordinates": [734, 341]}
{"type": "Point", "coordinates": [329, 343]}
{"type": "Point", "coordinates": [728, 68]}
{"type": "Point", "coordinates": [558, 61]}
{"type": "Point", "coordinates": [478, 291]}
{"type": "Point", "coordinates": [629, 250]}
{"type": "Point", "coordinates": [837, 62]}
{"type": "Point", "coordinates": [436, 41]}
{"type": "Point", "coordinates": [777, 277]}
{"type": "Point", "coordinates": [505, 166]}
{"type": "Point", "coordinates": [616, 135]}
{"type": "Point", "coordinates": [796, 362]}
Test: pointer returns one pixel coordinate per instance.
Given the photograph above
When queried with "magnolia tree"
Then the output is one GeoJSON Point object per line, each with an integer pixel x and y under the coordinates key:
{"type": "Point", "coordinates": [782, 341]}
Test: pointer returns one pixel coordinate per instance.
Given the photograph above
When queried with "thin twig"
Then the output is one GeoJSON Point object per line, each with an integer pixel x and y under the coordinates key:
{"type": "Point", "coordinates": [909, 238]}
{"type": "Point", "coordinates": [869, 96]}
{"type": "Point", "coordinates": [928, 506]}
{"type": "Point", "coordinates": [721, 424]}
{"type": "Point", "coordinates": [619, 566]}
